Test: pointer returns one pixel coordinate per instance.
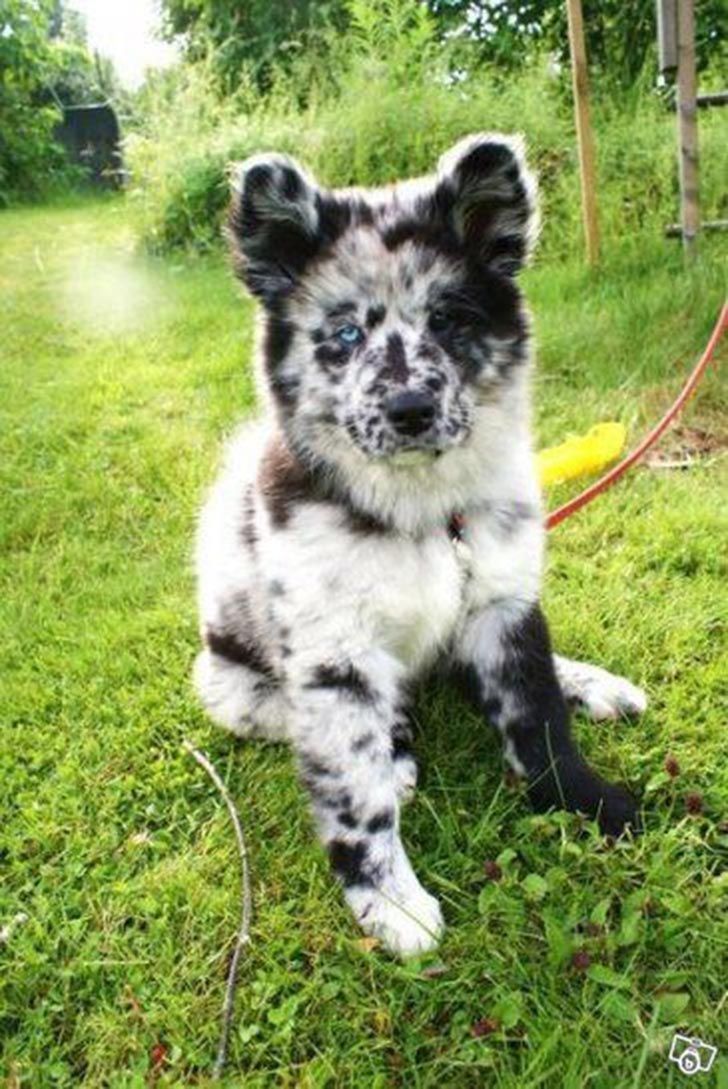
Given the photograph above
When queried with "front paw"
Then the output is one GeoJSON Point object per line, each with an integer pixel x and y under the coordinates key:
{"type": "Point", "coordinates": [618, 811]}
{"type": "Point", "coordinates": [575, 787]}
{"type": "Point", "coordinates": [407, 924]}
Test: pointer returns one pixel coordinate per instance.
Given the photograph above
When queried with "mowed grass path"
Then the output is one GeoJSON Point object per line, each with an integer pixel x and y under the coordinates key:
{"type": "Point", "coordinates": [119, 379]}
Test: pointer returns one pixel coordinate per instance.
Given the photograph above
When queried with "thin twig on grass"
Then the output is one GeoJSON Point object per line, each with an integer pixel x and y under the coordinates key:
{"type": "Point", "coordinates": [246, 908]}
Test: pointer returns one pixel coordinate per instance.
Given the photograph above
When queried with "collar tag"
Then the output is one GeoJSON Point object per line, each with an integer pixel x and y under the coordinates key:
{"type": "Point", "coordinates": [456, 526]}
{"type": "Point", "coordinates": [456, 531]}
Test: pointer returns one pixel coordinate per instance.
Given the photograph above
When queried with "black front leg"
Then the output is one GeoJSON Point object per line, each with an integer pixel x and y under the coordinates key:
{"type": "Point", "coordinates": [506, 654]}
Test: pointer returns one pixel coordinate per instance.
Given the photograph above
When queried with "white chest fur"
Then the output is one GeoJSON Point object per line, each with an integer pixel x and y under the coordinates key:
{"type": "Point", "coordinates": [412, 595]}
{"type": "Point", "coordinates": [393, 591]}
{"type": "Point", "coordinates": [405, 594]}
{"type": "Point", "coordinates": [418, 596]}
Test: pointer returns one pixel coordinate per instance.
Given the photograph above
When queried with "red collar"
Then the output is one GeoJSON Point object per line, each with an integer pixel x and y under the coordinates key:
{"type": "Point", "coordinates": [456, 526]}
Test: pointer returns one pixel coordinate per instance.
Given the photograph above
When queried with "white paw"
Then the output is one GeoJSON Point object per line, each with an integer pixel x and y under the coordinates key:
{"type": "Point", "coordinates": [406, 925]}
{"type": "Point", "coordinates": [405, 778]}
{"type": "Point", "coordinates": [603, 695]}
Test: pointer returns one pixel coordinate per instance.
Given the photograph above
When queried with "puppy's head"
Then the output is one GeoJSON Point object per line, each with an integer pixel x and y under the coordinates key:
{"type": "Point", "coordinates": [390, 315]}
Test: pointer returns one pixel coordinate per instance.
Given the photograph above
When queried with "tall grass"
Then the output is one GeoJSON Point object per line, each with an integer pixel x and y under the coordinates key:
{"type": "Point", "coordinates": [383, 101]}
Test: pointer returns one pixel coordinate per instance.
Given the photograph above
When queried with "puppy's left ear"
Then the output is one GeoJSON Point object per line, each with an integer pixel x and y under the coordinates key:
{"type": "Point", "coordinates": [488, 197]}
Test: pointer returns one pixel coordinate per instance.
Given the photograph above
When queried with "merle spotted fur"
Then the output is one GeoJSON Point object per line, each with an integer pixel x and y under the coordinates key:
{"type": "Point", "coordinates": [383, 514]}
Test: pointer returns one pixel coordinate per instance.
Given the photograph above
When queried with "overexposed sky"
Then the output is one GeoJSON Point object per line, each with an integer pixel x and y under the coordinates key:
{"type": "Point", "coordinates": [125, 31]}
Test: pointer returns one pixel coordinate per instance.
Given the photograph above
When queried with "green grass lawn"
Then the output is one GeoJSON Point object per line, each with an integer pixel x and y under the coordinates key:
{"type": "Point", "coordinates": [119, 377]}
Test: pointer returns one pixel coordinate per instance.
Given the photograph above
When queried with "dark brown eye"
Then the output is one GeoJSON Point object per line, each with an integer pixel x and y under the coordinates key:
{"type": "Point", "coordinates": [440, 320]}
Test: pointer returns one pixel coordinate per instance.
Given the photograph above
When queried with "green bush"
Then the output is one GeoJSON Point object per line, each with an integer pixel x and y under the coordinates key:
{"type": "Point", "coordinates": [28, 155]}
{"type": "Point", "coordinates": [390, 99]}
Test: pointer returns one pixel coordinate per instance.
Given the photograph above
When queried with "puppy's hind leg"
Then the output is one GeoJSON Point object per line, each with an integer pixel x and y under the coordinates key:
{"type": "Point", "coordinates": [246, 701]}
{"type": "Point", "coordinates": [601, 694]}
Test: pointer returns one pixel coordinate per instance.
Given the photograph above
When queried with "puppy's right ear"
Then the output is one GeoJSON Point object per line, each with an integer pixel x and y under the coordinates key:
{"type": "Point", "coordinates": [273, 224]}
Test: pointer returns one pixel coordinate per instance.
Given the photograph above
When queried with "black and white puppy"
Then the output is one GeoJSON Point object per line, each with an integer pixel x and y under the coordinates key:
{"type": "Point", "coordinates": [384, 514]}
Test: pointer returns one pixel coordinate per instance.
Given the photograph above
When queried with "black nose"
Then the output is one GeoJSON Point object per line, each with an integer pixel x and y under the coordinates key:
{"type": "Point", "coordinates": [411, 412]}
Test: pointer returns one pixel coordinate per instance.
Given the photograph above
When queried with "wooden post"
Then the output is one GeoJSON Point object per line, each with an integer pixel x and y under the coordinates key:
{"type": "Point", "coordinates": [580, 83]}
{"type": "Point", "coordinates": [687, 124]}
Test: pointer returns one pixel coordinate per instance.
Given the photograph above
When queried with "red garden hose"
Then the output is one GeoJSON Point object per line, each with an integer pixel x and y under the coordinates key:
{"type": "Point", "coordinates": [612, 476]}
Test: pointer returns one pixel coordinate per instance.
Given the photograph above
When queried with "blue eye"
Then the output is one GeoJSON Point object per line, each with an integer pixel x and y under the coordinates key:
{"type": "Point", "coordinates": [349, 335]}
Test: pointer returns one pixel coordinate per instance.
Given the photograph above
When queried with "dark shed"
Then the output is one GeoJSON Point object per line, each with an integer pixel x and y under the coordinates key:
{"type": "Point", "coordinates": [92, 138]}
